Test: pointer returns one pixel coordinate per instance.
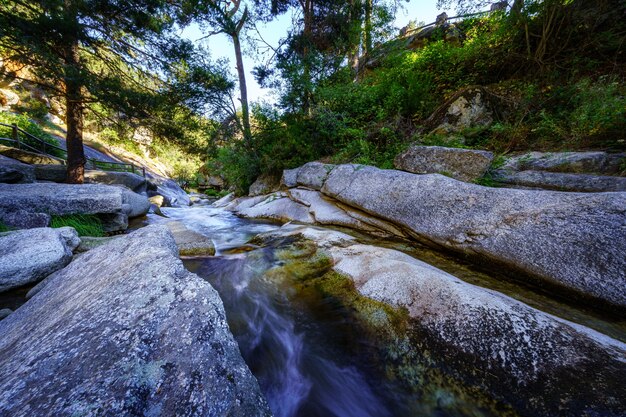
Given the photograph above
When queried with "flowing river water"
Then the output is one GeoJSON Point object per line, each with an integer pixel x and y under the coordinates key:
{"type": "Point", "coordinates": [307, 352]}
{"type": "Point", "coordinates": [307, 355]}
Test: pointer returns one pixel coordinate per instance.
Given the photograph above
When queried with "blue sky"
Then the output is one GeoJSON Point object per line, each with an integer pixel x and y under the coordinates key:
{"type": "Point", "coordinates": [221, 47]}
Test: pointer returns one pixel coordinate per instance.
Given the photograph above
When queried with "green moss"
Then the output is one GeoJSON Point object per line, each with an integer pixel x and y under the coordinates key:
{"type": "Point", "coordinates": [85, 224]}
{"type": "Point", "coordinates": [403, 351]}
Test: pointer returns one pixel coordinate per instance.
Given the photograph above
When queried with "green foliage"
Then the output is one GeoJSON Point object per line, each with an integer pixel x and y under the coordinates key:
{"type": "Point", "coordinates": [85, 224]}
{"type": "Point", "coordinates": [214, 193]}
{"type": "Point", "coordinates": [4, 228]}
{"type": "Point", "coordinates": [26, 124]}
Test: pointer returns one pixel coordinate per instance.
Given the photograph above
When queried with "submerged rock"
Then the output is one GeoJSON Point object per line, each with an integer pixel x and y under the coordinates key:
{"type": "Point", "coordinates": [570, 240]}
{"type": "Point", "coordinates": [125, 330]}
{"type": "Point", "coordinates": [28, 256]}
{"type": "Point", "coordinates": [461, 164]}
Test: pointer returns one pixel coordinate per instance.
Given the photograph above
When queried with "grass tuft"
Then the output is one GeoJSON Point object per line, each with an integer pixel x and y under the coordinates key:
{"type": "Point", "coordinates": [85, 224]}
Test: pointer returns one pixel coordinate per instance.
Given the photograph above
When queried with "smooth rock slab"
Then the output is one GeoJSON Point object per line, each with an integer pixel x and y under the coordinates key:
{"type": "Point", "coordinates": [571, 240]}
{"type": "Point", "coordinates": [546, 365]}
{"type": "Point", "coordinates": [274, 207]}
{"type": "Point", "coordinates": [561, 182]}
{"type": "Point", "coordinates": [461, 164]}
{"type": "Point", "coordinates": [28, 256]}
{"type": "Point", "coordinates": [61, 199]}
{"type": "Point", "coordinates": [125, 330]}
{"type": "Point", "coordinates": [28, 157]}
{"type": "Point", "coordinates": [573, 162]}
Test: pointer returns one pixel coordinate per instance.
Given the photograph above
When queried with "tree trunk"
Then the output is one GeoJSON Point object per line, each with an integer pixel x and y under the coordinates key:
{"type": "Point", "coordinates": [243, 89]}
{"type": "Point", "coordinates": [74, 116]}
{"type": "Point", "coordinates": [308, 32]}
{"type": "Point", "coordinates": [367, 30]}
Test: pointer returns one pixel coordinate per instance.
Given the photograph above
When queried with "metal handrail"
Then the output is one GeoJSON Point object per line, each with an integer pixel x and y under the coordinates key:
{"type": "Point", "coordinates": [97, 164]}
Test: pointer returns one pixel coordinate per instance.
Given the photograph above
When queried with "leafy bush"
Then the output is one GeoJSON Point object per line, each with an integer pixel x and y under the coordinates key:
{"type": "Point", "coordinates": [26, 124]}
{"type": "Point", "coordinates": [4, 228]}
{"type": "Point", "coordinates": [85, 224]}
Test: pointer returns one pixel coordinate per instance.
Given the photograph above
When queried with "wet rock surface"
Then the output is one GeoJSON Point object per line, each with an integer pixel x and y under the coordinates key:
{"type": "Point", "coordinates": [530, 362]}
{"type": "Point", "coordinates": [190, 243]}
{"type": "Point", "coordinates": [28, 256]}
{"type": "Point", "coordinates": [132, 333]}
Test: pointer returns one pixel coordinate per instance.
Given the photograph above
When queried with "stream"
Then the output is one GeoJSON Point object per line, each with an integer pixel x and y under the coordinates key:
{"type": "Point", "coordinates": [308, 357]}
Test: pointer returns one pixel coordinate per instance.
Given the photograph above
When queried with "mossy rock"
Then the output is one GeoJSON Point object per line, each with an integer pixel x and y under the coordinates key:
{"type": "Point", "coordinates": [401, 351]}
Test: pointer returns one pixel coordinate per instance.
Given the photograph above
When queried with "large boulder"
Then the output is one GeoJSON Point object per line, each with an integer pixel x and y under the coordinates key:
{"type": "Point", "coordinates": [170, 189]}
{"type": "Point", "coordinates": [132, 181]}
{"type": "Point", "coordinates": [559, 181]}
{"type": "Point", "coordinates": [461, 164]}
{"type": "Point", "coordinates": [572, 241]}
{"type": "Point", "coordinates": [289, 178]}
{"type": "Point", "coordinates": [265, 184]}
{"type": "Point", "coordinates": [551, 364]}
{"type": "Point", "coordinates": [61, 199]}
{"type": "Point", "coordinates": [15, 172]}
{"type": "Point", "coordinates": [133, 204]}
{"type": "Point", "coordinates": [125, 329]}
{"type": "Point", "coordinates": [113, 204]}
{"type": "Point", "coordinates": [57, 173]}
{"type": "Point", "coordinates": [28, 256]}
{"type": "Point", "coordinates": [468, 108]}
{"type": "Point", "coordinates": [276, 206]}
{"type": "Point", "coordinates": [313, 174]}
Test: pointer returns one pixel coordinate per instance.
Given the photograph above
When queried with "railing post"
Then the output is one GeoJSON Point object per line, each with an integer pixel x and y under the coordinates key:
{"type": "Point", "coordinates": [15, 134]}
{"type": "Point", "coordinates": [143, 170]}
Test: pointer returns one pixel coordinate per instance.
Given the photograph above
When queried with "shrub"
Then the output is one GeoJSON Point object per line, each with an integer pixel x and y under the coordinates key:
{"type": "Point", "coordinates": [26, 124]}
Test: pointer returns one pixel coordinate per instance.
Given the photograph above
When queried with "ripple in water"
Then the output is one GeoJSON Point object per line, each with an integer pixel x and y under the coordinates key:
{"type": "Point", "coordinates": [299, 365]}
